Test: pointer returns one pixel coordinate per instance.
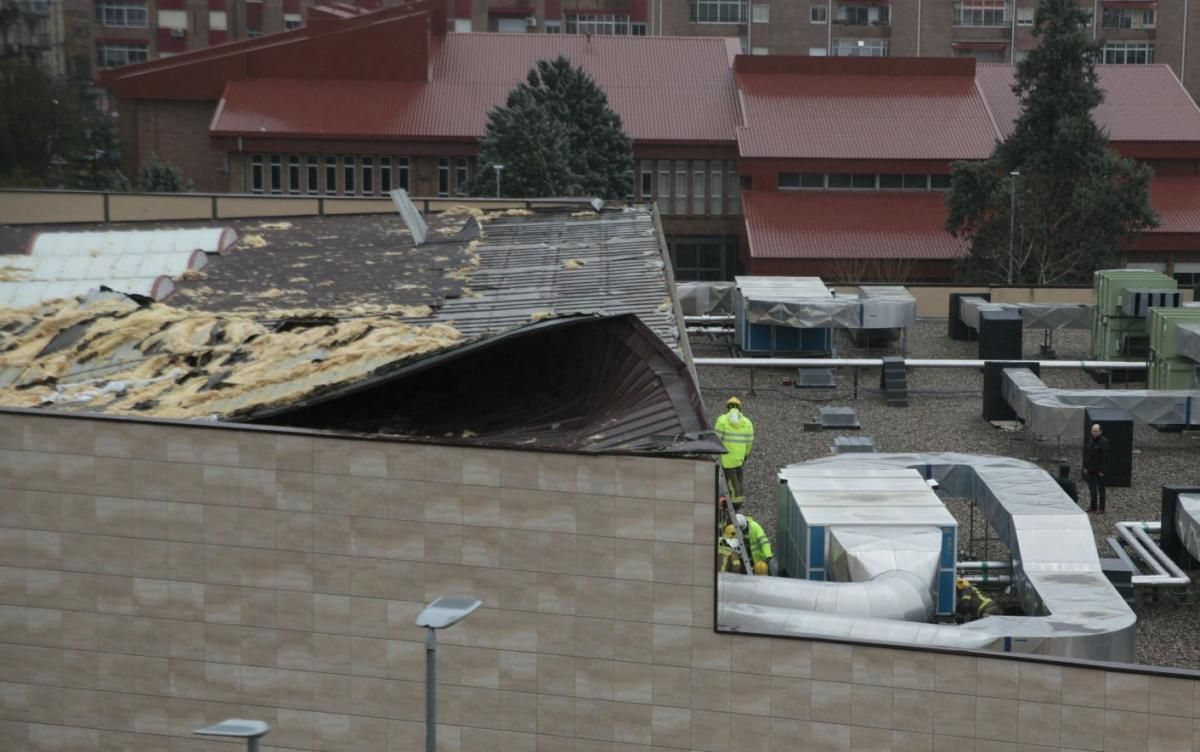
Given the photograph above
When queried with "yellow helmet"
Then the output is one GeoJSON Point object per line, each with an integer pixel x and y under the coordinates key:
{"type": "Point", "coordinates": [760, 568]}
{"type": "Point", "coordinates": [733, 402]}
{"type": "Point", "coordinates": [729, 531]}
{"type": "Point", "coordinates": [962, 584]}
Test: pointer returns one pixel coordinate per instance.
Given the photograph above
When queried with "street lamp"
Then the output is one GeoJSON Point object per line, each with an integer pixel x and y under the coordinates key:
{"type": "Point", "coordinates": [442, 613]}
{"type": "Point", "coordinates": [1012, 219]}
{"type": "Point", "coordinates": [499, 168]}
{"type": "Point", "coordinates": [251, 731]}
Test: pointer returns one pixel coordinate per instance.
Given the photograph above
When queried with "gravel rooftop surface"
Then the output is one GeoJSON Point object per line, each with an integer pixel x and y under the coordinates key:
{"type": "Point", "coordinates": [944, 414]}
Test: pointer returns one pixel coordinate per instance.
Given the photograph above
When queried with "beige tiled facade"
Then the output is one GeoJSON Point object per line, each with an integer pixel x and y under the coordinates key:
{"type": "Point", "coordinates": [155, 577]}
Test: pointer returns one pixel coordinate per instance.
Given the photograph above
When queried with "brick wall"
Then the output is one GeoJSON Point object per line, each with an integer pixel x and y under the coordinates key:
{"type": "Point", "coordinates": [157, 577]}
{"type": "Point", "coordinates": [177, 131]}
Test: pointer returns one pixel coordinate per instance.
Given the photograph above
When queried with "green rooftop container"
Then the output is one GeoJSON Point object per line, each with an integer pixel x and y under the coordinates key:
{"type": "Point", "coordinates": [1116, 336]}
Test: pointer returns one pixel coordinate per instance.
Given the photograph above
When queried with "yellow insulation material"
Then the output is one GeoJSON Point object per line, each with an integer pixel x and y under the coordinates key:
{"type": "Point", "coordinates": [177, 352]}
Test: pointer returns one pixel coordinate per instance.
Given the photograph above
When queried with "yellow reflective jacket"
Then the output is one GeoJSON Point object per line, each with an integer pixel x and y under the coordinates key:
{"type": "Point", "coordinates": [738, 439]}
{"type": "Point", "coordinates": [757, 541]}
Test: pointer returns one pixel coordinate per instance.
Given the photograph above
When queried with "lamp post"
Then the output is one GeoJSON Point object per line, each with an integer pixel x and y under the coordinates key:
{"type": "Point", "coordinates": [238, 728]}
{"type": "Point", "coordinates": [1012, 219]}
{"type": "Point", "coordinates": [499, 168]}
{"type": "Point", "coordinates": [442, 613]}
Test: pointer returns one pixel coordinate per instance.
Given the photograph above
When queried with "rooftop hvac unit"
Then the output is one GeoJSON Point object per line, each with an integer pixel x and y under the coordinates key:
{"type": "Point", "coordinates": [814, 378]}
{"type": "Point", "coordinates": [177, 33]}
{"type": "Point", "coordinates": [1136, 302]}
{"type": "Point", "coordinates": [531, 22]}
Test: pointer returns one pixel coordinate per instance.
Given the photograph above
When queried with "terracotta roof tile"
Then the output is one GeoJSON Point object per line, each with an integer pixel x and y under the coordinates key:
{"type": "Point", "coordinates": [664, 88]}
{"type": "Point", "coordinates": [1141, 102]}
{"type": "Point", "coordinates": [848, 224]}
{"type": "Point", "coordinates": [1177, 201]}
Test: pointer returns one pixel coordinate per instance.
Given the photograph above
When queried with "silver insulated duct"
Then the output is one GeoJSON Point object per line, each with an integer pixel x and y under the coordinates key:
{"type": "Point", "coordinates": [1071, 608]}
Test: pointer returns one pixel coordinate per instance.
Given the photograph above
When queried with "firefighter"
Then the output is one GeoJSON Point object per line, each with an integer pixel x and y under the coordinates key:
{"type": "Point", "coordinates": [758, 543]}
{"type": "Point", "coordinates": [973, 604]}
{"type": "Point", "coordinates": [729, 552]}
{"type": "Point", "coordinates": [737, 434]}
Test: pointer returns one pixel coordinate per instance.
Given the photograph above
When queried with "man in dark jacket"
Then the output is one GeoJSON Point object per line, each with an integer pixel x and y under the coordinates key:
{"type": "Point", "coordinates": [1095, 461]}
{"type": "Point", "coordinates": [1065, 483]}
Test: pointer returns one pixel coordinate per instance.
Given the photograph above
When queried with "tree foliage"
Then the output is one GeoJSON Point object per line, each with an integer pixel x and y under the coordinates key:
{"type": "Point", "coordinates": [50, 137]}
{"type": "Point", "coordinates": [157, 176]}
{"type": "Point", "coordinates": [555, 136]}
{"type": "Point", "coordinates": [1075, 197]}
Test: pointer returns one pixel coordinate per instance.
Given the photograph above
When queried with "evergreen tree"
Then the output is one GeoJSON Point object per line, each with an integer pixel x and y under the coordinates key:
{"type": "Point", "coordinates": [556, 136]}
{"type": "Point", "coordinates": [157, 176]}
{"type": "Point", "coordinates": [1075, 197]}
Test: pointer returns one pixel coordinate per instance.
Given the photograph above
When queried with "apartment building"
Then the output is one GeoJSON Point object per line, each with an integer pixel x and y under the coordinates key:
{"type": "Point", "coordinates": [1134, 31]}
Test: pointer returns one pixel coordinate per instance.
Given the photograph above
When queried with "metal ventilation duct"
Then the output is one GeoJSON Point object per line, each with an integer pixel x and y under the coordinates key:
{"type": "Point", "coordinates": [1187, 523]}
{"type": "Point", "coordinates": [1051, 412]}
{"type": "Point", "coordinates": [1033, 315]}
{"type": "Point", "coordinates": [1073, 610]}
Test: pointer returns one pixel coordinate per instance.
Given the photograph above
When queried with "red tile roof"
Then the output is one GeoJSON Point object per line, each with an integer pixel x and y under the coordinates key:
{"type": "Point", "coordinates": [1177, 201]}
{"type": "Point", "coordinates": [1141, 102]}
{"type": "Point", "coordinates": [669, 89]}
{"type": "Point", "coordinates": [848, 224]}
{"type": "Point", "coordinates": [891, 108]}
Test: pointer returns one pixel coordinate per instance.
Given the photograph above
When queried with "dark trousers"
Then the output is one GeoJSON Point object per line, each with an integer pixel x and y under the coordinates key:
{"type": "Point", "coordinates": [1096, 490]}
{"type": "Point", "coordinates": [733, 481]}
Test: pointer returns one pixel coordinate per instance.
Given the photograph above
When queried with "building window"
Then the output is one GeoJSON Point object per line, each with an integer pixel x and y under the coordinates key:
{"type": "Point", "coordinates": [348, 181]}
{"type": "Point", "coordinates": [550, 27]}
{"type": "Point", "coordinates": [795, 180]}
{"type": "Point", "coordinates": [735, 195]}
{"type": "Point", "coordinates": [314, 174]}
{"type": "Point", "coordinates": [939, 182]}
{"type": "Point", "coordinates": [1128, 53]}
{"type": "Point", "coordinates": [112, 54]}
{"type": "Point", "coordinates": [817, 52]}
{"type": "Point", "coordinates": [402, 173]}
{"type": "Point", "coordinates": [256, 173]}
{"type": "Point", "coordinates": [718, 11]}
{"type": "Point", "coordinates": [891, 182]}
{"type": "Point", "coordinates": [218, 20]}
{"type": "Point", "coordinates": [1025, 16]}
{"type": "Point", "coordinates": [699, 260]}
{"type": "Point", "coordinates": [860, 47]}
{"type": "Point", "coordinates": [761, 13]}
{"type": "Point", "coordinates": [443, 176]}
{"type": "Point", "coordinates": [664, 187]}
{"type": "Point", "coordinates": [681, 186]}
{"type": "Point", "coordinates": [463, 26]}
{"type": "Point", "coordinates": [981, 13]}
{"type": "Point", "coordinates": [291, 21]}
{"type": "Point", "coordinates": [603, 24]}
{"type": "Point", "coordinates": [716, 180]}
{"type": "Point", "coordinates": [637, 29]}
{"type": "Point", "coordinates": [122, 13]}
{"type": "Point", "coordinates": [172, 19]}
{"type": "Point", "coordinates": [385, 175]}
{"type": "Point", "coordinates": [368, 176]}
{"type": "Point", "coordinates": [276, 174]}
{"type": "Point", "coordinates": [864, 15]}
{"type": "Point", "coordinates": [330, 176]}
{"type": "Point", "coordinates": [293, 174]}
{"type": "Point", "coordinates": [698, 170]}
{"type": "Point", "coordinates": [759, 51]}
{"type": "Point", "coordinates": [461, 176]}
{"type": "Point", "coordinates": [916, 182]}
{"type": "Point", "coordinates": [647, 193]}
{"type": "Point", "coordinates": [1127, 18]}
{"type": "Point", "coordinates": [818, 14]}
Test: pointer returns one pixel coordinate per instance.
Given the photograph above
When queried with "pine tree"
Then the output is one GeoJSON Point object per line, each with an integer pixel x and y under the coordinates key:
{"type": "Point", "coordinates": [556, 136]}
{"type": "Point", "coordinates": [1075, 197]}
{"type": "Point", "coordinates": [157, 176]}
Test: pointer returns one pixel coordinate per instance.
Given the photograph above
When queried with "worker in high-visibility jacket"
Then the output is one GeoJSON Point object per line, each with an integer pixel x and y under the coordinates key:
{"type": "Point", "coordinates": [729, 552]}
{"type": "Point", "coordinates": [973, 604]}
{"type": "Point", "coordinates": [737, 434]}
{"type": "Point", "coordinates": [761, 555]}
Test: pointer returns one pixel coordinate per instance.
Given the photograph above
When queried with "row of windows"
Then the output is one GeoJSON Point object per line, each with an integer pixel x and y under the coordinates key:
{"type": "Point", "coordinates": [112, 54]}
{"type": "Point", "coordinates": [1127, 18]}
{"type": "Point", "coordinates": [861, 47]}
{"type": "Point", "coordinates": [864, 15]}
{"type": "Point", "coordinates": [696, 187]}
{"type": "Point", "coordinates": [981, 13]}
{"type": "Point", "coordinates": [292, 173]}
{"type": "Point", "coordinates": [603, 24]}
{"type": "Point", "coordinates": [836, 181]}
{"type": "Point", "coordinates": [1127, 53]}
{"type": "Point", "coordinates": [718, 11]}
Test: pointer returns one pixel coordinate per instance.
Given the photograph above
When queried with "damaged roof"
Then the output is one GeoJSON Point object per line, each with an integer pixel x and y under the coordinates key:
{"type": "Point", "coordinates": [312, 310]}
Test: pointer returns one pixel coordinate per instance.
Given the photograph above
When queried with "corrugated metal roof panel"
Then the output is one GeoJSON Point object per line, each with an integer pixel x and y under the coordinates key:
{"type": "Point", "coordinates": [664, 89]}
{"type": "Point", "coordinates": [1141, 102]}
{"type": "Point", "coordinates": [206, 239]}
{"type": "Point", "coordinates": [863, 116]}
{"type": "Point", "coordinates": [101, 268]}
{"type": "Point", "coordinates": [24, 294]}
{"type": "Point", "coordinates": [843, 224]}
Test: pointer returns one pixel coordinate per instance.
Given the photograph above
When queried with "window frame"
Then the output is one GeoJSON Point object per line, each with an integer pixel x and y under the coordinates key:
{"type": "Point", "coordinates": [982, 13]}
{"type": "Point", "coordinates": [105, 50]}
{"type": "Point", "coordinates": [718, 11]}
{"type": "Point", "coordinates": [818, 10]}
{"type": "Point", "coordinates": [331, 171]}
{"type": "Point", "coordinates": [402, 173]}
{"type": "Point", "coordinates": [349, 176]}
{"type": "Point", "coordinates": [122, 14]}
{"type": "Point", "coordinates": [443, 176]}
{"type": "Point", "coordinates": [257, 173]}
{"type": "Point", "coordinates": [312, 173]}
{"type": "Point", "coordinates": [462, 175]}
{"type": "Point", "coordinates": [293, 174]}
{"type": "Point", "coordinates": [276, 174]}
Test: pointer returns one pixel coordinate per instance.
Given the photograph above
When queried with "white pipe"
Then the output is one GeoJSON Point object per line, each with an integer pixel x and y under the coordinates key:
{"type": "Point", "coordinates": [710, 330]}
{"type": "Point", "coordinates": [1167, 573]}
{"type": "Point", "coordinates": [708, 319]}
{"type": "Point", "coordinates": [908, 363]}
{"type": "Point", "coordinates": [999, 579]}
{"type": "Point", "coordinates": [985, 565]}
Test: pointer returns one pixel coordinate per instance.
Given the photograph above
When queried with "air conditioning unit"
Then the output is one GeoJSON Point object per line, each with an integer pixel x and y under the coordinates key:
{"type": "Point", "coordinates": [531, 22]}
{"type": "Point", "coordinates": [178, 33]}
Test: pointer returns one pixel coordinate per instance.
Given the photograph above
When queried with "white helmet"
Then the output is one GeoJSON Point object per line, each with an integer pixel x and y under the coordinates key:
{"type": "Point", "coordinates": [741, 521]}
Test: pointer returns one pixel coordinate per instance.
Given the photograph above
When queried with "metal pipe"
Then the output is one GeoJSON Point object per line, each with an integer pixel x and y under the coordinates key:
{"type": "Point", "coordinates": [998, 579]}
{"type": "Point", "coordinates": [985, 565]}
{"type": "Point", "coordinates": [908, 363]}
{"type": "Point", "coordinates": [710, 330]}
{"type": "Point", "coordinates": [430, 689]}
{"type": "Point", "coordinates": [1167, 573]}
{"type": "Point", "coordinates": [709, 319]}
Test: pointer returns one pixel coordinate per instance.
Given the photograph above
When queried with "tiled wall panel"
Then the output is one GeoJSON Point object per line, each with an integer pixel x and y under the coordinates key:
{"type": "Point", "coordinates": [154, 578]}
